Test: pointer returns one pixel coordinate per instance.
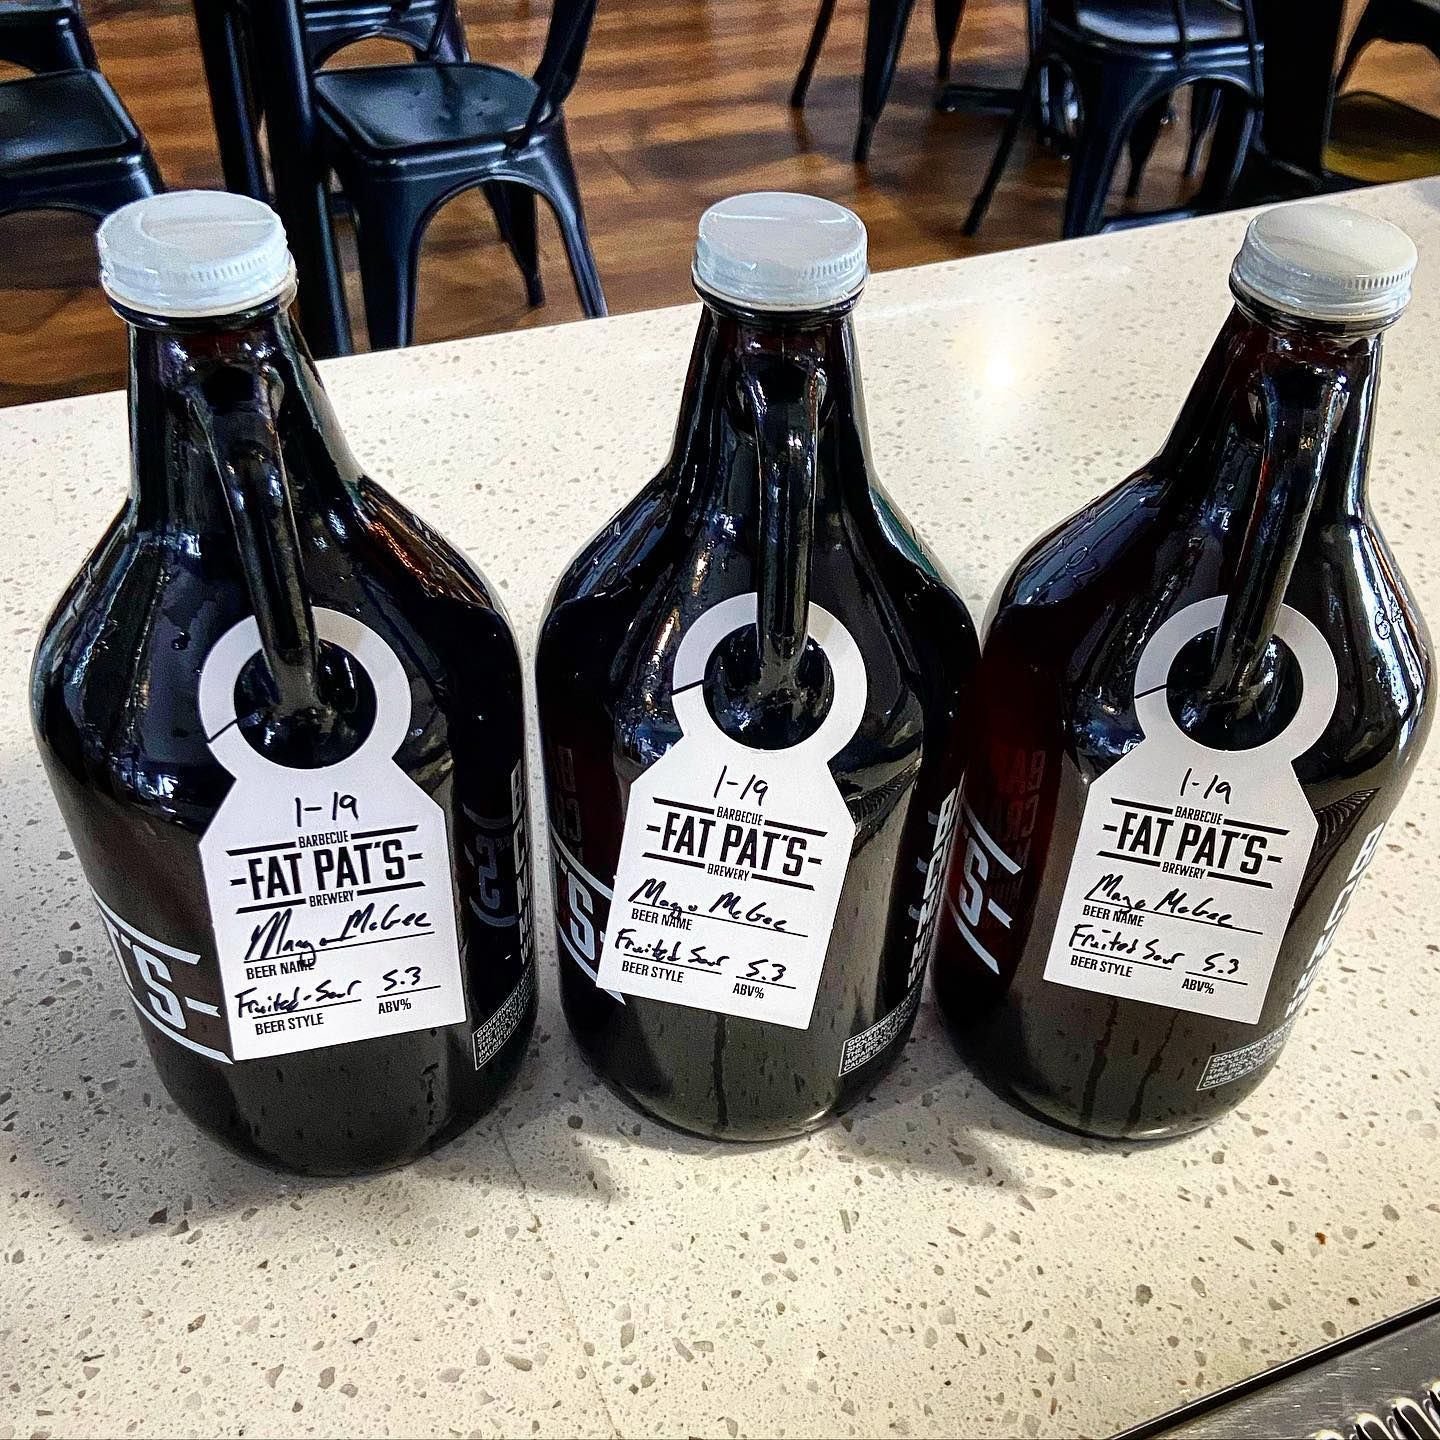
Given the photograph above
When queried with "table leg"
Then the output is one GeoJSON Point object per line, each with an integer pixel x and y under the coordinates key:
{"type": "Point", "coordinates": [220, 30]}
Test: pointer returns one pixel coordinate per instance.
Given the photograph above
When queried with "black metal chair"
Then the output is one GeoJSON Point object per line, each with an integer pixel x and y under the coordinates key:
{"type": "Point", "coordinates": [45, 35]}
{"type": "Point", "coordinates": [431, 28]}
{"type": "Point", "coordinates": [404, 139]}
{"type": "Point", "coordinates": [67, 143]}
{"type": "Point", "coordinates": [1126, 57]}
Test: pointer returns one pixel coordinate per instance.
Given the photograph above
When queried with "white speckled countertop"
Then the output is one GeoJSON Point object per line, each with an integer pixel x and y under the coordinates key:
{"type": "Point", "coordinates": [935, 1265]}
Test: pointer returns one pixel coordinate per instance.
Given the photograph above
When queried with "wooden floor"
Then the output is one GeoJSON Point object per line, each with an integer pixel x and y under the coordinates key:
{"type": "Point", "coordinates": [680, 103]}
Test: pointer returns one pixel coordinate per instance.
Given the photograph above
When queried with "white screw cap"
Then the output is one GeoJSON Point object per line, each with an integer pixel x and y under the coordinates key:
{"type": "Point", "coordinates": [193, 253]}
{"type": "Point", "coordinates": [774, 250]}
{"type": "Point", "coordinates": [1326, 262]}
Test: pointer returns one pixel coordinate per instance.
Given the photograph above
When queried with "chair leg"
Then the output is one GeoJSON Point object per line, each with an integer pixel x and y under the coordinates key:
{"type": "Point", "coordinates": [812, 53]}
{"type": "Point", "coordinates": [1029, 92]}
{"type": "Point", "coordinates": [514, 209]}
{"type": "Point", "coordinates": [884, 34]}
{"type": "Point", "coordinates": [497, 197]}
{"type": "Point", "coordinates": [578, 252]}
{"type": "Point", "coordinates": [450, 46]}
{"type": "Point", "coordinates": [1110, 106]}
{"type": "Point", "coordinates": [548, 168]}
{"type": "Point", "coordinates": [389, 224]}
{"type": "Point", "coordinates": [1205, 101]}
{"type": "Point", "coordinates": [1233, 132]}
{"type": "Point", "coordinates": [1142, 143]}
{"type": "Point", "coordinates": [220, 30]}
{"type": "Point", "coordinates": [948, 15]}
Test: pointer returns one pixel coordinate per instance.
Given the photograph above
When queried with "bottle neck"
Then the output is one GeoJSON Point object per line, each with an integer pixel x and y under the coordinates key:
{"type": "Point", "coordinates": [717, 459]}
{"type": "Point", "coordinates": [770, 464]}
{"type": "Point", "coordinates": [177, 368]}
{"type": "Point", "coordinates": [1273, 441]}
{"type": "Point", "coordinates": [1219, 437]}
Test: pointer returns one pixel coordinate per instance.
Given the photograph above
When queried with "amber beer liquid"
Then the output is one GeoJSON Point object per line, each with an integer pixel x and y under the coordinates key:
{"type": "Point", "coordinates": [751, 685]}
{"type": "Point", "coordinates": [282, 720]}
{"type": "Point", "coordinates": [1201, 698]}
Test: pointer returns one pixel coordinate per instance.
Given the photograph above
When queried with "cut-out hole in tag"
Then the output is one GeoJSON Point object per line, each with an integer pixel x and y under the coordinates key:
{"type": "Point", "coordinates": [316, 739]}
{"type": "Point", "coordinates": [1235, 722]}
{"type": "Point", "coordinates": [761, 721]}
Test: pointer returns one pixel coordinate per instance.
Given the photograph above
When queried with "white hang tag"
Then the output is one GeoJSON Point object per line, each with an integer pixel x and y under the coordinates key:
{"type": "Point", "coordinates": [733, 858]}
{"type": "Point", "coordinates": [330, 889]}
{"type": "Point", "coordinates": [1189, 859]}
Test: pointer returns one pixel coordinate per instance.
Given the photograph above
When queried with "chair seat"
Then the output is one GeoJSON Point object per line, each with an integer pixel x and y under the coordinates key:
{"type": "Point", "coordinates": [1152, 22]}
{"type": "Point", "coordinates": [1376, 139]}
{"type": "Point", "coordinates": [383, 109]}
{"type": "Point", "coordinates": [67, 116]}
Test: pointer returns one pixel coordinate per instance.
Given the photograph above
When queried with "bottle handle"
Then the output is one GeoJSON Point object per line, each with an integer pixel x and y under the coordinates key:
{"type": "Point", "coordinates": [786, 445]}
{"type": "Point", "coordinates": [236, 412]}
{"type": "Point", "coordinates": [1302, 405]}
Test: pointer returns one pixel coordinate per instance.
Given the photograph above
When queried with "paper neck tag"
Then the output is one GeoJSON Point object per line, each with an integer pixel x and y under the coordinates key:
{"type": "Point", "coordinates": [330, 889]}
{"type": "Point", "coordinates": [733, 858]}
{"type": "Point", "coordinates": [1189, 859]}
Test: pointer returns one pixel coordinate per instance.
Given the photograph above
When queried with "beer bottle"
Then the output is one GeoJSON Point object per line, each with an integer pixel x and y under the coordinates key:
{"type": "Point", "coordinates": [750, 687]}
{"type": "Point", "coordinates": [1200, 699]}
{"type": "Point", "coordinates": [282, 718]}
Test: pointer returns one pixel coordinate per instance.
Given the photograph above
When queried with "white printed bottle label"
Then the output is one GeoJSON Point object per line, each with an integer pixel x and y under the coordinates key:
{"type": "Point", "coordinates": [330, 889]}
{"type": "Point", "coordinates": [1189, 859]}
{"type": "Point", "coordinates": [733, 858]}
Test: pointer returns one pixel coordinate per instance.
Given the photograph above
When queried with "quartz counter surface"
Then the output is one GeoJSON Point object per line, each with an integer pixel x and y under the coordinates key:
{"type": "Point", "coordinates": [936, 1264]}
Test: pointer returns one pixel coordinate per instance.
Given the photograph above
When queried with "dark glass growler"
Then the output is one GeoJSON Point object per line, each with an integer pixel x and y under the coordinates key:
{"type": "Point", "coordinates": [750, 687]}
{"type": "Point", "coordinates": [283, 721]}
{"type": "Point", "coordinates": [1202, 697]}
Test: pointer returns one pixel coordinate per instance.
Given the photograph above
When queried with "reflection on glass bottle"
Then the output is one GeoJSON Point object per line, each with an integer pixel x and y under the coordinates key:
{"type": "Point", "coordinates": [750, 690]}
{"type": "Point", "coordinates": [283, 722]}
{"type": "Point", "coordinates": [1202, 697]}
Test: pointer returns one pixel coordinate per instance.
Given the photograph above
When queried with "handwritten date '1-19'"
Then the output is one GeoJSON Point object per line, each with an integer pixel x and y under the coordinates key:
{"type": "Point", "coordinates": [750, 788]}
{"type": "Point", "coordinates": [340, 804]}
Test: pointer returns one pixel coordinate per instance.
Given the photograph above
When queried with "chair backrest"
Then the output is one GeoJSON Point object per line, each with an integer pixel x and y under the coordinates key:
{"type": "Point", "coordinates": [564, 52]}
{"type": "Point", "coordinates": [1065, 11]}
